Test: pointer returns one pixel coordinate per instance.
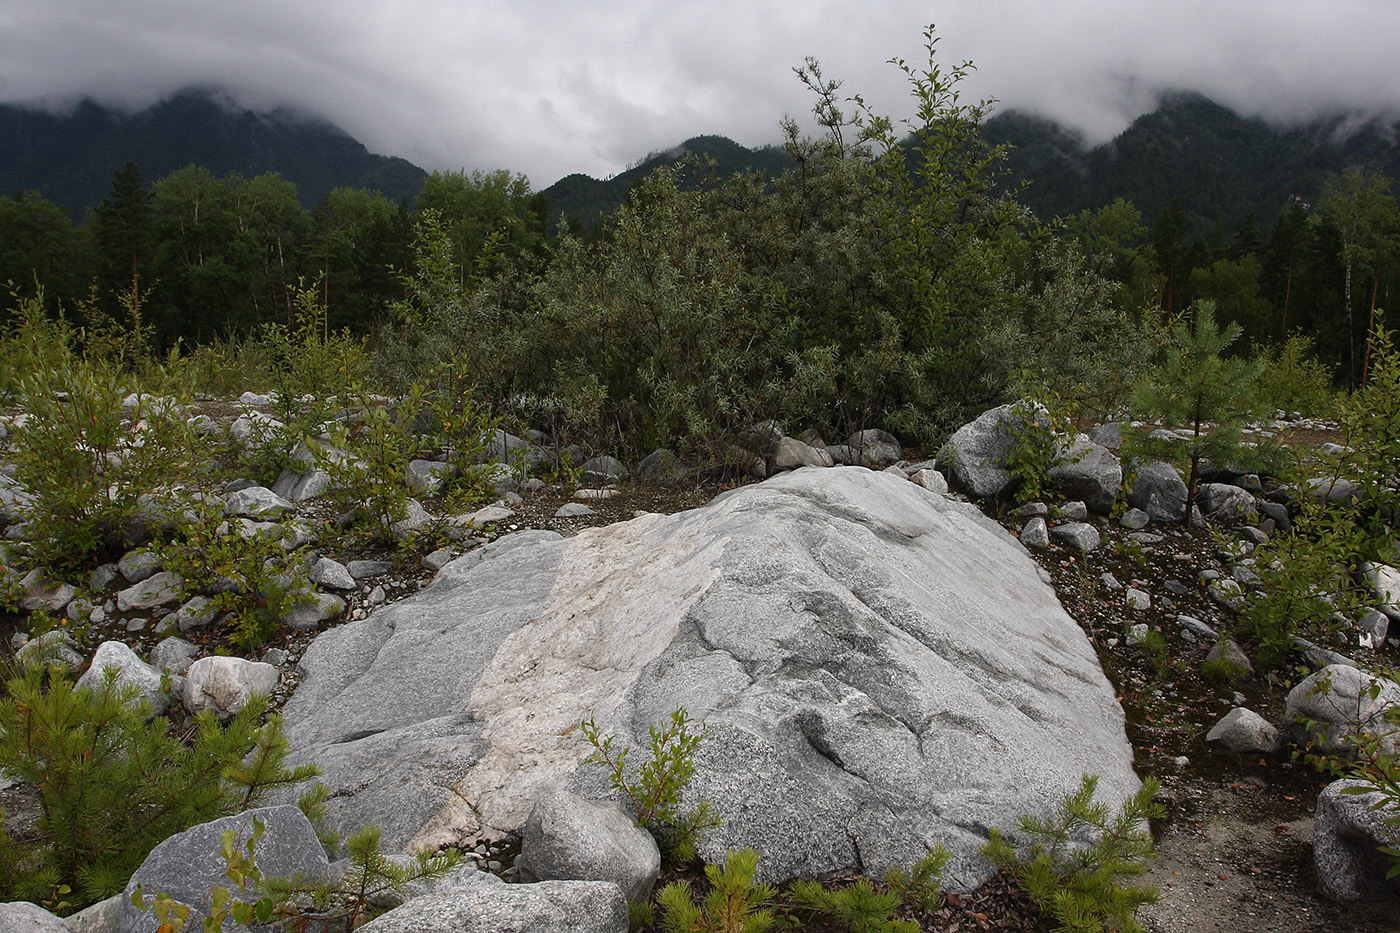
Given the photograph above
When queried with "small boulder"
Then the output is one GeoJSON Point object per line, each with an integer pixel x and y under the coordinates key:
{"type": "Point", "coordinates": [1159, 491]}
{"type": "Point", "coordinates": [1344, 701]}
{"type": "Point", "coordinates": [1081, 536]}
{"type": "Point", "coordinates": [224, 685]}
{"type": "Point", "coordinates": [979, 451]}
{"type": "Point", "coordinates": [137, 565]}
{"type": "Point", "coordinates": [1347, 835]}
{"type": "Point", "coordinates": [931, 480]}
{"type": "Point", "coordinates": [425, 477]}
{"type": "Point", "coordinates": [1036, 533]}
{"type": "Point", "coordinates": [602, 471]}
{"type": "Point", "coordinates": [661, 466]}
{"type": "Point", "coordinates": [161, 589]}
{"type": "Point", "coordinates": [332, 574]}
{"type": "Point", "coordinates": [876, 449]}
{"type": "Point", "coordinates": [40, 591]}
{"type": "Point", "coordinates": [790, 454]}
{"type": "Point", "coordinates": [567, 838]}
{"type": "Point", "coordinates": [1226, 504]}
{"type": "Point", "coordinates": [257, 502]}
{"type": "Point", "coordinates": [1085, 470]}
{"type": "Point", "coordinates": [174, 655]}
{"type": "Point", "coordinates": [316, 610]}
{"type": "Point", "coordinates": [188, 865]}
{"type": "Point", "coordinates": [1246, 732]}
{"type": "Point", "coordinates": [131, 671]}
{"type": "Point", "coordinates": [547, 907]}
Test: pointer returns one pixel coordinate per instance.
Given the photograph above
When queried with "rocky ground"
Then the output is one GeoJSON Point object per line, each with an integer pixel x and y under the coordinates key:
{"type": "Point", "coordinates": [1235, 846]}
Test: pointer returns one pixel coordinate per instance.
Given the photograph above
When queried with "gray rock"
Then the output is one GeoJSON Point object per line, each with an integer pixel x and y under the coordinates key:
{"type": "Point", "coordinates": [174, 655]}
{"type": "Point", "coordinates": [136, 566]}
{"type": "Point", "coordinates": [1074, 511]}
{"type": "Point", "coordinates": [762, 438]}
{"type": "Point", "coordinates": [1137, 599]}
{"type": "Point", "coordinates": [1339, 699]}
{"type": "Point", "coordinates": [876, 449]}
{"type": "Point", "coordinates": [1134, 519]}
{"type": "Point", "coordinates": [1226, 504]}
{"type": "Point", "coordinates": [24, 917]}
{"type": "Point", "coordinates": [1278, 512]}
{"type": "Point", "coordinates": [790, 454]}
{"type": "Point", "coordinates": [661, 466]}
{"type": "Point", "coordinates": [1246, 732]}
{"type": "Point", "coordinates": [104, 576]}
{"type": "Point", "coordinates": [1230, 652]}
{"type": "Point", "coordinates": [1088, 471]}
{"type": "Point", "coordinates": [257, 502]}
{"type": "Point", "coordinates": [161, 589]}
{"type": "Point", "coordinates": [321, 608]}
{"type": "Point", "coordinates": [1192, 624]}
{"type": "Point", "coordinates": [54, 648]}
{"type": "Point", "coordinates": [1035, 533]}
{"type": "Point", "coordinates": [363, 569]}
{"type": "Point", "coordinates": [425, 477]}
{"type": "Point", "coordinates": [1081, 536]}
{"type": "Point", "coordinates": [14, 501]}
{"type": "Point", "coordinates": [601, 471]}
{"type": "Point", "coordinates": [1384, 581]}
{"type": "Point", "coordinates": [1108, 434]}
{"type": "Point", "coordinates": [41, 591]}
{"type": "Point", "coordinates": [547, 907]}
{"type": "Point", "coordinates": [197, 612]}
{"type": "Point", "coordinates": [416, 520]}
{"type": "Point", "coordinates": [931, 480]}
{"type": "Point", "coordinates": [1031, 510]}
{"type": "Point", "coordinates": [749, 463]}
{"type": "Point", "coordinates": [1159, 491]}
{"type": "Point", "coordinates": [1347, 835]}
{"type": "Point", "coordinates": [1375, 625]}
{"type": "Point", "coordinates": [332, 574]}
{"type": "Point", "coordinates": [439, 559]}
{"type": "Point", "coordinates": [1226, 592]}
{"type": "Point", "coordinates": [1330, 490]}
{"type": "Point", "coordinates": [978, 452]}
{"type": "Point", "coordinates": [573, 510]}
{"type": "Point", "coordinates": [841, 455]}
{"type": "Point", "coordinates": [567, 838]}
{"type": "Point", "coordinates": [188, 865]}
{"type": "Point", "coordinates": [858, 706]}
{"type": "Point", "coordinates": [131, 671]}
{"type": "Point", "coordinates": [224, 685]}
{"type": "Point", "coordinates": [295, 486]}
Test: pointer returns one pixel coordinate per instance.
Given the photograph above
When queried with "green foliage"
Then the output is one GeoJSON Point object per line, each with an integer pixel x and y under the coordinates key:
{"type": "Point", "coordinates": [734, 904]}
{"type": "Point", "coordinates": [1084, 885]}
{"type": "Point", "coordinates": [919, 888]}
{"type": "Point", "coordinates": [1291, 378]}
{"type": "Point", "coordinates": [654, 791]}
{"type": "Point", "coordinates": [856, 907]}
{"type": "Point", "coordinates": [1034, 430]}
{"type": "Point", "coordinates": [114, 783]}
{"type": "Point", "coordinates": [1194, 385]}
{"type": "Point", "coordinates": [309, 364]}
{"type": "Point", "coordinates": [249, 576]}
{"type": "Point", "coordinates": [368, 460]}
{"type": "Point", "coordinates": [88, 459]}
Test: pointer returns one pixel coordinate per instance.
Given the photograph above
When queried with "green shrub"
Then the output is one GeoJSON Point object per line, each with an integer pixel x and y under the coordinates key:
{"type": "Point", "coordinates": [113, 784]}
{"type": "Point", "coordinates": [1084, 886]}
{"type": "Point", "coordinates": [654, 791]}
{"type": "Point", "coordinates": [369, 460]}
{"type": "Point", "coordinates": [253, 578]}
{"type": "Point", "coordinates": [919, 888]}
{"type": "Point", "coordinates": [857, 907]}
{"type": "Point", "coordinates": [734, 904]}
{"type": "Point", "coordinates": [1291, 378]}
{"type": "Point", "coordinates": [89, 461]}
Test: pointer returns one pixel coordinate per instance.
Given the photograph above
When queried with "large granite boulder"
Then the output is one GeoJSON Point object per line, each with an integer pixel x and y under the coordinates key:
{"type": "Point", "coordinates": [1348, 832]}
{"type": "Point", "coordinates": [879, 670]}
{"type": "Point", "coordinates": [567, 838]}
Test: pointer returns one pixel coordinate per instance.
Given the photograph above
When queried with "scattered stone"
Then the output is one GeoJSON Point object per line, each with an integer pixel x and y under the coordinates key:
{"type": "Point", "coordinates": [1085, 470]}
{"type": "Point", "coordinates": [1110, 582]}
{"type": "Point", "coordinates": [161, 589]}
{"type": "Point", "coordinates": [1253, 535]}
{"type": "Point", "coordinates": [197, 612]}
{"type": "Point", "coordinates": [1277, 512]}
{"type": "Point", "coordinates": [1193, 624]}
{"type": "Point", "coordinates": [41, 591]}
{"type": "Point", "coordinates": [321, 608]}
{"type": "Point", "coordinates": [1031, 510]}
{"type": "Point", "coordinates": [1230, 652]}
{"type": "Point", "coordinates": [1225, 504]}
{"type": "Point", "coordinates": [1074, 511]}
{"type": "Point", "coordinates": [792, 454]}
{"type": "Point", "coordinates": [188, 865]}
{"type": "Point", "coordinates": [1108, 434]}
{"type": "Point", "coordinates": [54, 648]}
{"type": "Point", "coordinates": [1081, 536]}
{"type": "Point", "coordinates": [1384, 581]}
{"type": "Point", "coordinates": [332, 574]}
{"type": "Point", "coordinates": [931, 480]}
{"type": "Point", "coordinates": [138, 565]}
{"type": "Point", "coordinates": [104, 576]}
{"type": "Point", "coordinates": [131, 671]}
{"type": "Point", "coordinates": [602, 471]}
{"type": "Point", "coordinates": [1376, 625]}
{"type": "Point", "coordinates": [875, 449]}
{"type": "Point", "coordinates": [1035, 533]}
{"type": "Point", "coordinates": [416, 520]}
{"type": "Point", "coordinates": [1343, 700]}
{"type": "Point", "coordinates": [257, 502]}
{"type": "Point", "coordinates": [425, 477]}
{"type": "Point", "coordinates": [224, 684]}
{"type": "Point", "coordinates": [567, 838]}
{"type": "Point", "coordinates": [1226, 592]}
{"type": "Point", "coordinates": [1134, 519]}
{"type": "Point", "coordinates": [1160, 492]}
{"type": "Point", "coordinates": [661, 466]}
{"type": "Point", "coordinates": [596, 495]}
{"type": "Point", "coordinates": [439, 558]}
{"type": "Point", "coordinates": [1137, 599]}
{"type": "Point", "coordinates": [174, 655]}
{"type": "Point", "coordinates": [361, 569]}
{"type": "Point", "coordinates": [573, 510]}
{"type": "Point", "coordinates": [1246, 732]}
{"type": "Point", "coordinates": [1330, 490]}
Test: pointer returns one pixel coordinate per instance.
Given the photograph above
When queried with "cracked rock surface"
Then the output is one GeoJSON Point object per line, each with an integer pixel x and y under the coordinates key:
{"type": "Point", "coordinates": [879, 668]}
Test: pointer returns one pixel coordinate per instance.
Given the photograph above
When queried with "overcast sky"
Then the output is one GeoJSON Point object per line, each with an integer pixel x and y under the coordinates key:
{"type": "Point", "coordinates": [549, 87]}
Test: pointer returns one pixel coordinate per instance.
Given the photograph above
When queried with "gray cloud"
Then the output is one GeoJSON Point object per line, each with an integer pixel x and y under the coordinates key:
{"type": "Point", "coordinates": [549, 87]}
